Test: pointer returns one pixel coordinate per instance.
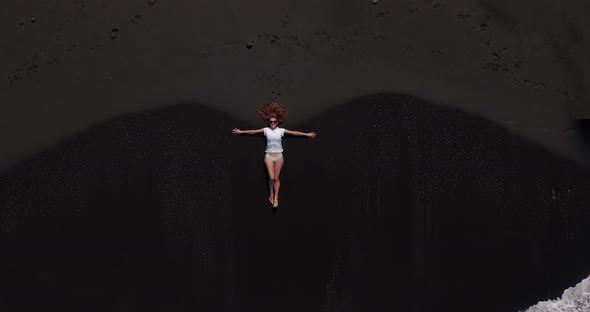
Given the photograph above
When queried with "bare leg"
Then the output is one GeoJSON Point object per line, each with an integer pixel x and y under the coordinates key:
{"type": "Point", "coordinates": [278, 166]}
{"type": "Point", "coordinates": [270, 166]}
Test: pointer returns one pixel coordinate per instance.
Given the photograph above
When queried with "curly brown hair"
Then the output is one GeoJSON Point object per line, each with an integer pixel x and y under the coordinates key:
{"type": "Point", "coordinates": [273, 109]}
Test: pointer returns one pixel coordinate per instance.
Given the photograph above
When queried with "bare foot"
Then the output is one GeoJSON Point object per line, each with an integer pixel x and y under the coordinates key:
{"type": "Point", "coordinates": [276, 203]}
{"type": "Point", "coordinates": [270, 200]}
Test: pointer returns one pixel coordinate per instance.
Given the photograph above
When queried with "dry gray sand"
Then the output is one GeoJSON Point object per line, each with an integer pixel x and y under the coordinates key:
{"type": "Point", "coordinates": [69, 65]}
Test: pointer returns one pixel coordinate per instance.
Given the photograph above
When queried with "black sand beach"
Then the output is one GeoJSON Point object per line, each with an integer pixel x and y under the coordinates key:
{"type": "Point", "coordinates": [450, 171]}
{"type": "Point", "coordinates": [397, 205]}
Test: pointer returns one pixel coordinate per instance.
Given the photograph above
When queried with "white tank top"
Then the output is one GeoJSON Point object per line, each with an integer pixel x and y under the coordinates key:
{"type": "Point", "coordinates": [273, 139]}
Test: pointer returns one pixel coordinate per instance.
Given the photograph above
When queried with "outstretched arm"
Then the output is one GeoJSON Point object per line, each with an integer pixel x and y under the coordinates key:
{"type": "Point", "coordinates": [255, 131]}
{"type": "Point", "coordinates": [307, 134]}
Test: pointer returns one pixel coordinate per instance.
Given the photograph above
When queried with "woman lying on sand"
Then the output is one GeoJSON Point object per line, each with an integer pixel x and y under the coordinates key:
{"type": "Point", "coordinates": [274, 114]}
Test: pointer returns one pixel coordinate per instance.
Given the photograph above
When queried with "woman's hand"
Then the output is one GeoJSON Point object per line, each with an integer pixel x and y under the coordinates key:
{"type": "Point", "coordinates": [236, 131]}
{"type": "Point", "coordinates": [310, 135]}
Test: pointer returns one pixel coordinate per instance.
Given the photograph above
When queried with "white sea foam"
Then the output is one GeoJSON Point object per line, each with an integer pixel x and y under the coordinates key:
{"type": "Point", "coordinates": [573, 299]}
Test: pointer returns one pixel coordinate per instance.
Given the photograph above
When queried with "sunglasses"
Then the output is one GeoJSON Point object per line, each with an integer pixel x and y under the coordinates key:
{"type": "Point", "coordinates": [273, 121]}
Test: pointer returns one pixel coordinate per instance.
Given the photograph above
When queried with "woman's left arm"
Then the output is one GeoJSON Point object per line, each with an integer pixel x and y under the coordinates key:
{"type": "Point", "coordinates": [307, 134]}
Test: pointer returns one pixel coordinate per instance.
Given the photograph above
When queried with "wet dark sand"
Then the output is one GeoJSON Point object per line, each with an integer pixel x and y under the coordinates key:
{"type": "Point", "coordinates": [397, 205]}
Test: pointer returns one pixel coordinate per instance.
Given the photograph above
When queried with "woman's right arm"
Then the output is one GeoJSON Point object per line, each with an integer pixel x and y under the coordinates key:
{"type": "Point", "coordinates": [255, 131]}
